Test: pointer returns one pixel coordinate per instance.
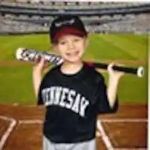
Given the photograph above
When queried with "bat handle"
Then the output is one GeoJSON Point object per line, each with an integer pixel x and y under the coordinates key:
{"type": "Point", "coordinates": [138, 71]}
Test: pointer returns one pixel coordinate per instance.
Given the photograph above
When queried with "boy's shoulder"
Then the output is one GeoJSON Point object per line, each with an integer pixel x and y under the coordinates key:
{"type": "Point", "coordinates": [53, 70]}
{"type": "Point", "coordinates": [93, 73]}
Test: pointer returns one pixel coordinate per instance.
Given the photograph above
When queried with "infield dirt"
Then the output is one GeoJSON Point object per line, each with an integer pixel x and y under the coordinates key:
{"type": "Point", "coordinates": [125, 129]}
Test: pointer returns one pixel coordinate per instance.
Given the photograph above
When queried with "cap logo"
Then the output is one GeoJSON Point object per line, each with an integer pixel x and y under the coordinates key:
{"type": "Point", "coordinates": [66, 22]}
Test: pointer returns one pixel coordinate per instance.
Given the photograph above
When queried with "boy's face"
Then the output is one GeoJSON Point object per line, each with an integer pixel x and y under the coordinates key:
{"type": "Point", "coordinates": [71, 47]}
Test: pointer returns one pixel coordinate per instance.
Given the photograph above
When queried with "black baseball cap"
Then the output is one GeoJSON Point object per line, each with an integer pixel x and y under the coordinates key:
{"type": "Point", "coordinates": [64, 25]}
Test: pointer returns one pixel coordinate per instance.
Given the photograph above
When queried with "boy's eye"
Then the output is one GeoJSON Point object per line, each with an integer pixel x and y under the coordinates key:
{"type": "Point", "coordinates": [76, 40]}
{"type": "Point", "coordinates": [62, 42]}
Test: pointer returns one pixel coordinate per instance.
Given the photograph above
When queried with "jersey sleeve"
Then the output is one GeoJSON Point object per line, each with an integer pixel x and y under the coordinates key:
{"type": "Point", "coordinates": [102, 103]}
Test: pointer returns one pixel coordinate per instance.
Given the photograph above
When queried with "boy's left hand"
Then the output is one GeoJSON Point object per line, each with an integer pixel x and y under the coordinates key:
{"type": "Point", "coordinates": [116, 75]}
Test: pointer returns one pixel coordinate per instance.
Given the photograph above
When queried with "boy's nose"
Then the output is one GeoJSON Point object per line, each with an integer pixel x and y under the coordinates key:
{"type": "Point", "coordinates": [70, 45]}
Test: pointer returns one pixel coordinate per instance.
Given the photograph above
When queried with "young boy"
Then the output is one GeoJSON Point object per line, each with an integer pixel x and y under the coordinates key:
{"type": "Point", "coordinates": [74, 93]}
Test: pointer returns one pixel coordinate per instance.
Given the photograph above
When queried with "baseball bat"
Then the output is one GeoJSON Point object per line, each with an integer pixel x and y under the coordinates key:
{"type": "Point", "coordinates": [32, 55]}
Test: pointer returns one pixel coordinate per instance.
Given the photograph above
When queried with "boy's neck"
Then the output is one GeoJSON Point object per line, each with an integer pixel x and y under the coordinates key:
{"type": "Point", "coordinates": [71, 68]}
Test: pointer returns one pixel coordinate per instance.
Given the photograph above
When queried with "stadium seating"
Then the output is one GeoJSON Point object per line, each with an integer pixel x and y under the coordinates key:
{"type": "Point", "coordinates": [24, 16]}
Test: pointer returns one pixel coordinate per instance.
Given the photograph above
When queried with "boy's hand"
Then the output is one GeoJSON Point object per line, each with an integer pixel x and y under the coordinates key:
{"type": "Point", "coordinates": [113, 74]}
{"type": "Point", "coordinates": [40, 65]}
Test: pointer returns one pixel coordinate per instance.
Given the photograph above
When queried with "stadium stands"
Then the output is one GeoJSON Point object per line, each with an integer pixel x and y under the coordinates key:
{"type": "Point", "coordinates": [23, 16]}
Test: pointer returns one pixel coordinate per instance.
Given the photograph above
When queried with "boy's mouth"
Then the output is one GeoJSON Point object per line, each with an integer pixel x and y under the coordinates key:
{"type": "Point", "coordinates": [75, 53]}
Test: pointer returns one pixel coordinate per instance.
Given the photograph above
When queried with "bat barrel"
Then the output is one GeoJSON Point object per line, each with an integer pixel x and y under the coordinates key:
{"type": "Point", "coordinates": [138, 71]}
{"type": "Point", "coordinates": [34, 55]}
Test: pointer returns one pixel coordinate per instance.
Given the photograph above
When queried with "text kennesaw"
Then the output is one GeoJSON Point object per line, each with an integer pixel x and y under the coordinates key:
{"type": "Point", "coordinates": [66, 98]}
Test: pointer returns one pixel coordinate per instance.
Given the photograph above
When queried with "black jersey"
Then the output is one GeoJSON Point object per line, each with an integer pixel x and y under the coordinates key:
{"type": "Point", "coordinates": [73, 102]}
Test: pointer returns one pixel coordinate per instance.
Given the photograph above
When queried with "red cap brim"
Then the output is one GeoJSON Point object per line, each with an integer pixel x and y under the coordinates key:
{"type": "Point", "coordinates": [68, 31]}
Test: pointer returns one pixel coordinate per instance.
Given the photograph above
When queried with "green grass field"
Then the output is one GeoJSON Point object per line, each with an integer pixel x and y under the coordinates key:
{"type": "Point", "coordinates": [16, 76]}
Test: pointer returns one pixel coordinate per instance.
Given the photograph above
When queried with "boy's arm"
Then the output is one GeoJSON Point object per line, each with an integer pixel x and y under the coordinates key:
{"type": "Point", "coordinates": [37, 75]}
{"type": "Point", "coordinates": [113, 81]}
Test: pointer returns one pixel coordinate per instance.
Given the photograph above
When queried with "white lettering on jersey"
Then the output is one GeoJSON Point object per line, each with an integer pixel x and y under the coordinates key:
{"type": "Point", "coordinates": [76, 104]}
{"type": "Point", "coordinates": [66, 98]}
{"type": "Point", "coordinates": [63, 97]}
{"type": "Point", "coordinates": [84, 104]}
{"type": "Point", "coordinates": [57, 95]}
{"type": "Point", "coordinates": [70, 99]}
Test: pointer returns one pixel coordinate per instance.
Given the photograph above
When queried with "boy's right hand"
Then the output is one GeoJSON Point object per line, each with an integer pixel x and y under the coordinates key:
{"type": "Point", "coordinates": [40, 65]}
